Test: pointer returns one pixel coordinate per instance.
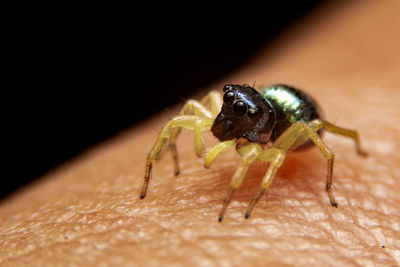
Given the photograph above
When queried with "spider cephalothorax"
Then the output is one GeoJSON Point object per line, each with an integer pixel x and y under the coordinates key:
{"type": "Point", "coordinates": [244, 113]}
{"type": "Point", "coordinates": [282, 115]}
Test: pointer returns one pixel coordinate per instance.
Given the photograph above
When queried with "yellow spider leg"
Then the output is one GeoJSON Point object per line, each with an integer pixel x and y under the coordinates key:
{"type": "Point", "coordinates": [276, 156]}
{"type": "Point", "coordinates": [186, 121]}
{"type": "Point", "coordinates": [214, 101]}
{"type": "Point", "coordinates": [298, 131]}
{"type": "Point", "coordinates": [249, 154]}
{"type": "Point", "coordinates": [214, 152]}
{"type": "Point", "coordinates": [191, 107]}
{"type": "Point", "coordinates": [318, 124]}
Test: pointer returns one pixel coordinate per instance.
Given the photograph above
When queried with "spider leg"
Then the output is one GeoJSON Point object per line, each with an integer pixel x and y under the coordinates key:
{"type": "Point", "coordinates": [193, 107]}
{"type": "Point", "coordinates": [214, 152]}
{"type": "Point", "coordinates": [302, 131]}
{"type": "Point", "coordinates": [214, 101]}
{"type": "Point", "coordinates": [318, 124]}
{"type": "Point", "coordinates": [249, 154]}
{"type": "Point", "coordinates": [276, 157]}
{"type": "Point", "coordinates": [191, 122]}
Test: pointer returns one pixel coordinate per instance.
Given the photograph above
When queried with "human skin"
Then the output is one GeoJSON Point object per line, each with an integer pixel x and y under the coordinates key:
{"type": "Point", "coordinates": [88, 211]}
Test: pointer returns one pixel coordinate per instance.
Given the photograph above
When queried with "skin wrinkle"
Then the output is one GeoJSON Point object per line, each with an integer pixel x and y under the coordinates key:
{"type": "Point", "coordinates": [88, 213]}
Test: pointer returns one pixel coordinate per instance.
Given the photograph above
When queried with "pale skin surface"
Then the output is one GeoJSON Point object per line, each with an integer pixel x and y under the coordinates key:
{"type": "Point", "coordinates": [89, 212]}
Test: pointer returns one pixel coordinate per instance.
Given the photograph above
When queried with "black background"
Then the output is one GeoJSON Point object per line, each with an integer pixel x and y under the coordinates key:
{"type": "Point", "coordinates": [78, 75]}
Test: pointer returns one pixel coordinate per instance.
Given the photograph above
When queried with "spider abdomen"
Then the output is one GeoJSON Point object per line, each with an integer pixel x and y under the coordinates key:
{"type": "Point", "coordinates": [291, 105]}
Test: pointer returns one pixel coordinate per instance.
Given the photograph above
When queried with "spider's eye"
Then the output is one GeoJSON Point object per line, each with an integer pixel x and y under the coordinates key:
{"type": "Point", "coordinates": [253, 112]}
{"type": "Point", "coordinates": [239, 108]}
{"type": "Point", "coordinates": [229, 97]}
{"type": "Point", "coordinates": [227, 87]}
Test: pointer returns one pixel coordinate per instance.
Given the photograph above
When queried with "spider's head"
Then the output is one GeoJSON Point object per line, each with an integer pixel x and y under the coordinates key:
{"type": "Point", "coordinates": [244, 113]}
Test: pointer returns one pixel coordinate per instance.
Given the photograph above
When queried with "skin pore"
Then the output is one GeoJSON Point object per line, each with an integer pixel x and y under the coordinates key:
{"type": "Point", "coordinates": [88, 211]}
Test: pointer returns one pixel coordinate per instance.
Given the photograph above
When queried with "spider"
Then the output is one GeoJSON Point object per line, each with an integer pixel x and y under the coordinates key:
{"type": "Point", "coordinates": [262, 125]}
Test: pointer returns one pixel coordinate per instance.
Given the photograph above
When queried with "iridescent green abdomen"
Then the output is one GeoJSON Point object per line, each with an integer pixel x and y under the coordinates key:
{"type": "Point", "coordinates": [291, 105]}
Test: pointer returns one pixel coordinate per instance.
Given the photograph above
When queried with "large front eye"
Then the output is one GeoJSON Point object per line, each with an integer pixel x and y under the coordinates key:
{"type": "Point", "coordinates": [239, 108]}
{"type": "Point", "coordinates": [229, 97]}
